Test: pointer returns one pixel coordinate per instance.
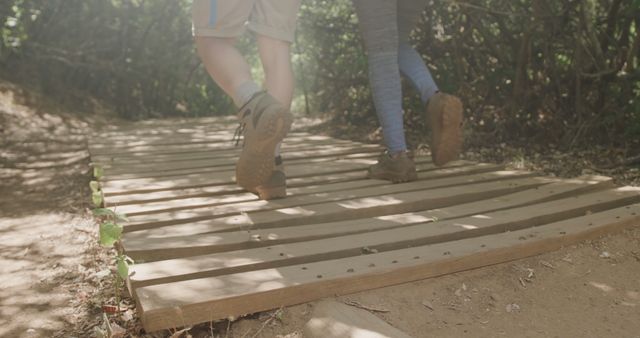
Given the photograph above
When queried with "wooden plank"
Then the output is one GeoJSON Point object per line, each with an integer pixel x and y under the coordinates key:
{"type": "Point", "coordinates": [291, 158]}
{"type": "Point", "coordinates": [310, 173]}
{"type": "Point", "coordinates": [337, 320]}
{"type": "Point", "coordinates": [307, 168]}
{"type": "Point", "coordinates": [294, 186]}
{"type": "Point", "coordinates": [342, 210]}
{"type": "Point", "coordinates": [143, 248]}
{"type": "Point", "coordinates": [294, 152]}
{"type": "Point", "coordinates": [112, 136]}
{"type": "Point", "coordinates": [191, 213]}
{"type": "Point", "coordinates": [429, 172]}
{"type": "Point", "coordinates": [153, 125]}
{"type": "Point", "coordinates": [202, 300]}
{"type": "Point", "coordinates": [352, 245]}
{"type": "Point", "coordinates": [220, 187]}
{"type": "Point", "coordinates": [220, 142]}
{"type": "Point", "coordinates": [213, 177]}
{"type": "Point", "coordinates": [231, 150]}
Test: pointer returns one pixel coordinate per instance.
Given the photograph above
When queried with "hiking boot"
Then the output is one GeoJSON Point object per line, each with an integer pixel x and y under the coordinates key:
{"type": "Point", "coordinates": [264, 122]}
{"type": "Point", "coordinates": [444, 113]}
{"type": "Point", "coordinates": [396, 168]}
{"type": "Point", "coordinates": [276, 186]}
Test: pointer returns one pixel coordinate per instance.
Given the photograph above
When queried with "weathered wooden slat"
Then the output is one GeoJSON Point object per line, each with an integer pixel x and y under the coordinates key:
{"type": "Point", "coordinates": [147, 249]}
{"type": "Point", "coordinates": [296, 168]}
{"type": "Point", "coordinates": [191, 213]}
{"type": "Point", "coordinates": [292, 158]}
{"type": "Point", "coordinates": [298, 152]}
{"type": "Point", "coordinates": [155, 125]}
{"type": "Point", "coordinates": [202, 300]}
{"type": "Point", "coordinates": [221, 141]}
{"type": "Point", "coordinates": [430, 173]}
{"type": "Point", "coordinates": [311, 173]}
{"type": "Point", "coordinates": [342, 210]}
{"type": "Point", "coordinates": [210, 177]}
{"type": "Point", "coordinates": [212, 151]}
{"type": "Point", "coordinates": [352, 245]}
{"type": "Point", "coordinates": [296, 186]}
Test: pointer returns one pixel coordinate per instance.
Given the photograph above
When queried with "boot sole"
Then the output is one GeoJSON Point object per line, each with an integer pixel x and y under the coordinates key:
{"type": "Point", "coordinates": [447, 136]}
{"type": "Point", "coordinates": [256, 163]}
{"type": "Point", "coordinates": [271, 193]}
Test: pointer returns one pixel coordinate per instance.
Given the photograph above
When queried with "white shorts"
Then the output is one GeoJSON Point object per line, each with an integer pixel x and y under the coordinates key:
{"type": "Point", "coordinates": [228, 18]}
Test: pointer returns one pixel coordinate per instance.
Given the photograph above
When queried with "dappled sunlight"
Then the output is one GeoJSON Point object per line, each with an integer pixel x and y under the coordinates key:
{"type": "Point", "coordinates": [297, 211]}
{"type": "Point", "coordinates": [407, 218]}
{"type": "Point", "coordinates": [629, 189]}
{"type": "Point", "coordinates": [359, 161]}
{"type": "Point", "coordinates": [370, 202]}
{"type": "Point", "coordinates": [335, 327]}
{"type": "Point", "coordinates": [466, 226]}
{"type": "Point", "coordinates": [506, 173]}
{"type": "Point", "coordinates": [602, 286]}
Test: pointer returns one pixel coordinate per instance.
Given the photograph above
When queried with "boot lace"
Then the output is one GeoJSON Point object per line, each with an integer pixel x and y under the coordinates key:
{"type": "Point", "coordinates": [237, 136]}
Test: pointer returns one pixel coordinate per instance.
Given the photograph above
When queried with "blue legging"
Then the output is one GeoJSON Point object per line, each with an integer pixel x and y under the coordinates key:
{"type": "Point", "coordinates": [386, 26]}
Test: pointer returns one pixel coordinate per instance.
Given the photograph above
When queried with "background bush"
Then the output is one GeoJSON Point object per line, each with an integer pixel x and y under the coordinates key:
{"type": "Point", "coordinates": [551, 72]}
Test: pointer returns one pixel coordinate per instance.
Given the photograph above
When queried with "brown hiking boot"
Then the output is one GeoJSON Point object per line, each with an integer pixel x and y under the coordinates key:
{"type": "Point", "coordinates": [264, 123]}
{"type": "Point", "coordinates": [444, 113]}
{"type": "Point", "coordinates": [396, 168]}
{"type": "Point", "coordinates": [276, 186]}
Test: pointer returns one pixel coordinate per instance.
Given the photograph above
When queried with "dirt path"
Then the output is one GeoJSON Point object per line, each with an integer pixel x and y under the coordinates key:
{"type": "Point", "coordinates": [48, 257]}
{"type": "Point", "coordinates": [54, 278]}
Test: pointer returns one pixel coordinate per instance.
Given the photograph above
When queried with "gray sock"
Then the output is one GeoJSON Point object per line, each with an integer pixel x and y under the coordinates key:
{"type": "Point", "coordinates": [245, 92]}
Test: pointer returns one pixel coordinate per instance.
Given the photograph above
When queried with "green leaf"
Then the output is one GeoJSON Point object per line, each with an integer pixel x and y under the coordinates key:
{"type": "Point", "coordinates": [96, 197]}
{"type": "Point", "coordinates": [95, 186]}
{"type": "Point", "coordinates": [98, 172]}
{"type": "Point", "coordinates": [121, 218]}
{"type": "Point", "coordinates": [109, 233]}
{"type": "Point", "coordinates": [103, 212]}
{"type": "Point", "coordinates": [123, 268]}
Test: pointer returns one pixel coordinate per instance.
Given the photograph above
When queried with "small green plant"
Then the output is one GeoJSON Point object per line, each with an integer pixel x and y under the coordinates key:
{"type": "Point", "coordinates": [96, 194]}
{"type": "Point", "coordinates": [110, 234]}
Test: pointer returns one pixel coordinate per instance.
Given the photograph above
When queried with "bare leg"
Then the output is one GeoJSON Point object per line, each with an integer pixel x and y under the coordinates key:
{"type": "Point", "coordinates": [225, 64]}
{"type": "Point", "coordinates": [276, 61]}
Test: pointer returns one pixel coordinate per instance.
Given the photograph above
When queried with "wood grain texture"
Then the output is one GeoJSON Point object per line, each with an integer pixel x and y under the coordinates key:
{"type": "Point", "coordinates": [205, 299]}
{"type": "Point", "coordinates": [206, 249]}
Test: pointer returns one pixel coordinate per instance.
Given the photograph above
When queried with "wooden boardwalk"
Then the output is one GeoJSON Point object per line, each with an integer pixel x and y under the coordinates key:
{"type": "Point", "coordinates": [206, 250]}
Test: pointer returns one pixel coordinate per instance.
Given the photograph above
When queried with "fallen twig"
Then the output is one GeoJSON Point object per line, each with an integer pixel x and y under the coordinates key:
{"type": "Point", "coordinates": [364, 307]}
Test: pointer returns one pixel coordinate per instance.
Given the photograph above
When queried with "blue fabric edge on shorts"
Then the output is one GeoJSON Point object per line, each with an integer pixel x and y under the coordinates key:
{"type": "Point", "coordinates": [213, 13]}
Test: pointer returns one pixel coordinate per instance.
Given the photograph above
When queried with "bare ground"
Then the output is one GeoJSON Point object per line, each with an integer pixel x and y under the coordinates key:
{"type": "Point", "coordinates": [55, 278]}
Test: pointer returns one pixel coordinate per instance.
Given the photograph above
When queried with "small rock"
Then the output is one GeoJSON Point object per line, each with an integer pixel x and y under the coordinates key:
{"type": "Point", "coordinates": [494, 297]}
{"type": "Point", "coordinates": [605, 255]}
{"type": "Point", "coordinates": [547, 264]}
{"type": "Point", "coordinates": [427, 304]}
{"type": "Point", "coordinates": [512, 307]}
{"type": "Point", "coordinates": [103, 273]}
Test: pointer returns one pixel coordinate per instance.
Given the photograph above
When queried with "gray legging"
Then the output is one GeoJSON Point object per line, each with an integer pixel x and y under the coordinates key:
{"type": "Point", "coordinates": [385, 27]}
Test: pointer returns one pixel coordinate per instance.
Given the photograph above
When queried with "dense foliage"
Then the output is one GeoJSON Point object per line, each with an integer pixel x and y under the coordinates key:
{"type": "Point", "coordinates": [562, 72]}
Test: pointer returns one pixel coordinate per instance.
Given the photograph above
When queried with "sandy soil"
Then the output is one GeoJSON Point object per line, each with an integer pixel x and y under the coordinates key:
{"type": "Point", "coordinates": [50, 264]}
{"type": "Point", "coordinates": [55, 279]}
